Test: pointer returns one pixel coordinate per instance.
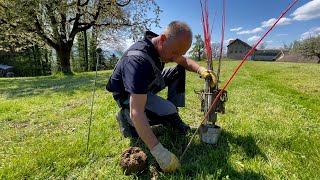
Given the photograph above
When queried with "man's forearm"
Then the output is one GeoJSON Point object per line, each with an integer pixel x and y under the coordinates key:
{"type": "Point", "coordinates": [144, 130]}
{"type": "Point", "coordinates": [140, 121]}
{"type": "Point", "coordinates": [188, 64]}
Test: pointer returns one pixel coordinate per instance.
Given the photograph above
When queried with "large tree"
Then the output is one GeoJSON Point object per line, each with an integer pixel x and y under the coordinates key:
{"type": "Point", "coordinates": [309, 47]}
{"type": "Point", "coordinates": [13, 39]}
{"type": "Point", "coordinates": [57, 22]}
{"type": "Point", "coordinates": [198, 50]}
{"type": "Point", "coordinates": [215, 46]}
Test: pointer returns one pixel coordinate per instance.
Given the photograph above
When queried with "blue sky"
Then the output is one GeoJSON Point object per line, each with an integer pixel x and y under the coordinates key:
{"type": "Point", "coordinates": [247, 20]}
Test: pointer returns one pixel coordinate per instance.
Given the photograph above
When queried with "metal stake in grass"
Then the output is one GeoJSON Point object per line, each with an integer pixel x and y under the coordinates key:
{"type": "Point", "coordinates": [98, 51]}
{"type": "Point", "coordinates": [234, 73]}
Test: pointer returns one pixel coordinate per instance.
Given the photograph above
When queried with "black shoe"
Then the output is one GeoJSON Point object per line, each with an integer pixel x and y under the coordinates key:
{"type": "Point", "coordinates": [126, 129]}
{"type": "Point", "coordinates": [174, 121]}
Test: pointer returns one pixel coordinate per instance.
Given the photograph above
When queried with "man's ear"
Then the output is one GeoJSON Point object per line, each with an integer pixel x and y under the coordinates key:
{"type": "Point", "coordinates": [163, 38]}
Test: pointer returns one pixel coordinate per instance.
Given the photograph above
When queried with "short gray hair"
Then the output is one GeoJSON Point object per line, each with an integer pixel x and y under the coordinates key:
{"type": "Point", "coordinates": [176, 28]}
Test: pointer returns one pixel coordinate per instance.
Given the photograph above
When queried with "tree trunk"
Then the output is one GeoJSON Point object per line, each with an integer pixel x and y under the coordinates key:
{"type": "Point", "coordinates": [46, 57]}
{"type": "Point", "coordinates": [64, 58]}
{"type": "Point", "coordinates": [80, 58]}
{"type": "Point", "coordinates": [318, 59]}
{"type": "Point", "coordinates": [93, 47]}
{"type": "Point", "coordinates": [86, 58]}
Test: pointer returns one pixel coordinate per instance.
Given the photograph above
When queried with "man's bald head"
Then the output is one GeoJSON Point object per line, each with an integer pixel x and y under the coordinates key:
{"type": "Point", "coordinates": [177, 29]}
{"type": "Point", "coordinates": [174, 41]}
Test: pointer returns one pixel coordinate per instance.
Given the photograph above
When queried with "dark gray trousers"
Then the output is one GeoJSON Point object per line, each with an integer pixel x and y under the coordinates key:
{"type": "Point", "coordinates": [175, 79]}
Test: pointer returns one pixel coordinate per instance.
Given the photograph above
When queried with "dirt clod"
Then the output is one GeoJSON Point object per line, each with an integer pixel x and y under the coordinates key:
{"type": "Point", "coordinates": [133, 160]}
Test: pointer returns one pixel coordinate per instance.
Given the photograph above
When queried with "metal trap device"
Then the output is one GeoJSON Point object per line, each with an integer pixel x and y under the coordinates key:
{"type": "Point", "coordinates": [209, 132]}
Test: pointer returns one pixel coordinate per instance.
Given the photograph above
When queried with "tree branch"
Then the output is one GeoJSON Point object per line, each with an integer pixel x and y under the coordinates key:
{"type": "Point", "coordinates": [124, 23]}
{"type": "Point", "coordinates": [84, 4]}
{"type": "Point", "coordinates": [2, 21]}
{"type": "Point", "coordinates": [124, 4]}
{"type": "Point", "coordinates": [85, 26]}
{"type": "Point", "coordinates": [63, 26]}
{"type": "Point", "coordinates": [3, 6]}
{"type": "Point", "coordinates": [120, 4]}
{"type": "Point", "coordinates": [53, 21]}
{"type": "Point", "coordinates": [75, 27]}
{"type": "Point", "coordinates": [40, 32]}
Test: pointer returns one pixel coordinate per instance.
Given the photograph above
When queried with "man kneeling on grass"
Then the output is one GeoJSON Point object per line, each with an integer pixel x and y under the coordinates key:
{"type": "Point", "coordinates": [140, 74]}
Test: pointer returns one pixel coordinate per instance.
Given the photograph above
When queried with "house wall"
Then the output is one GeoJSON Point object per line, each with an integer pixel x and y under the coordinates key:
{"type": "Point", "coordinates": [237, 50]}
{"type": "Point", "coordinates": [265, 55]}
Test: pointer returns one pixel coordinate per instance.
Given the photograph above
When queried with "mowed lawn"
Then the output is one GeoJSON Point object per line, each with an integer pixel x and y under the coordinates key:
{"type": "Point", "coordinates": [271, 128]}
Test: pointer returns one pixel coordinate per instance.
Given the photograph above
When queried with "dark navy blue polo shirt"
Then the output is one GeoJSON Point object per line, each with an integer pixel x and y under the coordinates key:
{"type": "Point", "coordinates": [133, 74]}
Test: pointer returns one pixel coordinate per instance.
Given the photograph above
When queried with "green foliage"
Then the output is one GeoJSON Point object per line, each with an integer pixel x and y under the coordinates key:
{"type": "Point", "coordinates": [80, 59]}
{"type": "Point", "coordinates": [270, 129]}
{"type": "Point", "coordinates": [288, 46]}
{"type": "Point", "coordinates": [13, 38]}
{"type": "Point", "coordinates": [57, 23]}
{"type": "Point", "coordinates": [112, 61]}
{"type": "Point", "coordinates": [93, 44]}
{"type": "Point", "coordinates": [198, 50]}
{"type": "Point", "coordinates": [32, 61]}
{"type": "Point", "coordinates": [309, 47]}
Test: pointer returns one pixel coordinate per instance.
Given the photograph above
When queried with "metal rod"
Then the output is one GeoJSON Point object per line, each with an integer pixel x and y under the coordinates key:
{"type": "Point", "coordinates": [98, 51]}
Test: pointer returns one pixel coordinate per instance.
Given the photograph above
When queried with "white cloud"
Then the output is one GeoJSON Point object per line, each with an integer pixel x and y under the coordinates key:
{"type": "Point", "coordinates": [270, 22]}
{"type": "Point", "coordinates": [311, 33]}
{"type": "Point", "coordinates": [269, 42]}
{"type": "Point", "coordinates": [253, 38]}
{"type": "Point", "coordinates": [310, 10]}
{"type": "Point", "coordinates": [282, 35]}
{"type": "Point", "coordinates": [236, 29]}
{"type": "Point", "coordinates": [251, 31]}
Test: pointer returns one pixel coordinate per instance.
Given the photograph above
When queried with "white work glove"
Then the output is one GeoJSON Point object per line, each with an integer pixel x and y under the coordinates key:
{"type": "Point", "coordinates": [207, 74]}
{"type": "Point", "coordinates": [168, 161]}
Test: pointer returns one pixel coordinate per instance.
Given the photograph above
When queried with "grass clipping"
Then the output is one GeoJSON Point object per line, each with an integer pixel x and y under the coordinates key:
{"type": "Point", "coordinates": [133, 160]}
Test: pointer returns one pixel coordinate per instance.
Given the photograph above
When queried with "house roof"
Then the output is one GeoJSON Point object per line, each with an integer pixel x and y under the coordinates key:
{"type": "Point", "coordinates": [2, 66]}
{"type": "Point", "coordinates": [269, 49]}
{"type": "Point", "coordinates": [233, 41]}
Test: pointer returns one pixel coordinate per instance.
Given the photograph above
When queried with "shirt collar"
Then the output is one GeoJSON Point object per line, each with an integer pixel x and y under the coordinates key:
{"type": "Point", "coordinates": [148, 35]}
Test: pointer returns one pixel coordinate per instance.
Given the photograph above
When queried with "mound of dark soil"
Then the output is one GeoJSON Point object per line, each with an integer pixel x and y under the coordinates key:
{"type": "Point", "coordinates": [133, 160]}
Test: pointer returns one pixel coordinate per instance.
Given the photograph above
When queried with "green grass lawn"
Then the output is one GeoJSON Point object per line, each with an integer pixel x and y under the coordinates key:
{"type": "Point", "coordinates": [271, 128]}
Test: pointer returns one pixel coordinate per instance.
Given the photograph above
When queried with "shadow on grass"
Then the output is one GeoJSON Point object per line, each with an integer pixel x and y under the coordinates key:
{"type": "Point", "coordinates": [204, 160]}
{"type": "Point", "coordinates": [68, 84]}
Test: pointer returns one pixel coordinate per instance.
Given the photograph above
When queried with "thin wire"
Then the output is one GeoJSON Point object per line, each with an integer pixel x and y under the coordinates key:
{"type": "Point", "coordinates": [92, 102]}
{"type": "Point", "coordinates": [234, 73]}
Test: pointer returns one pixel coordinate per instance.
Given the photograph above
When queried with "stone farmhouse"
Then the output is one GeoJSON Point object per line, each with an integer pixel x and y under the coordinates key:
{"type": "Point", "coordinates": [237, 49]}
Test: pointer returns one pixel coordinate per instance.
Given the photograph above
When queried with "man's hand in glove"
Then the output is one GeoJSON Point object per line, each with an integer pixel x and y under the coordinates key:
{"type": "Point", "coordinates": [206, 74]}
{"type": "Point", "coordinates": [168, 161]}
